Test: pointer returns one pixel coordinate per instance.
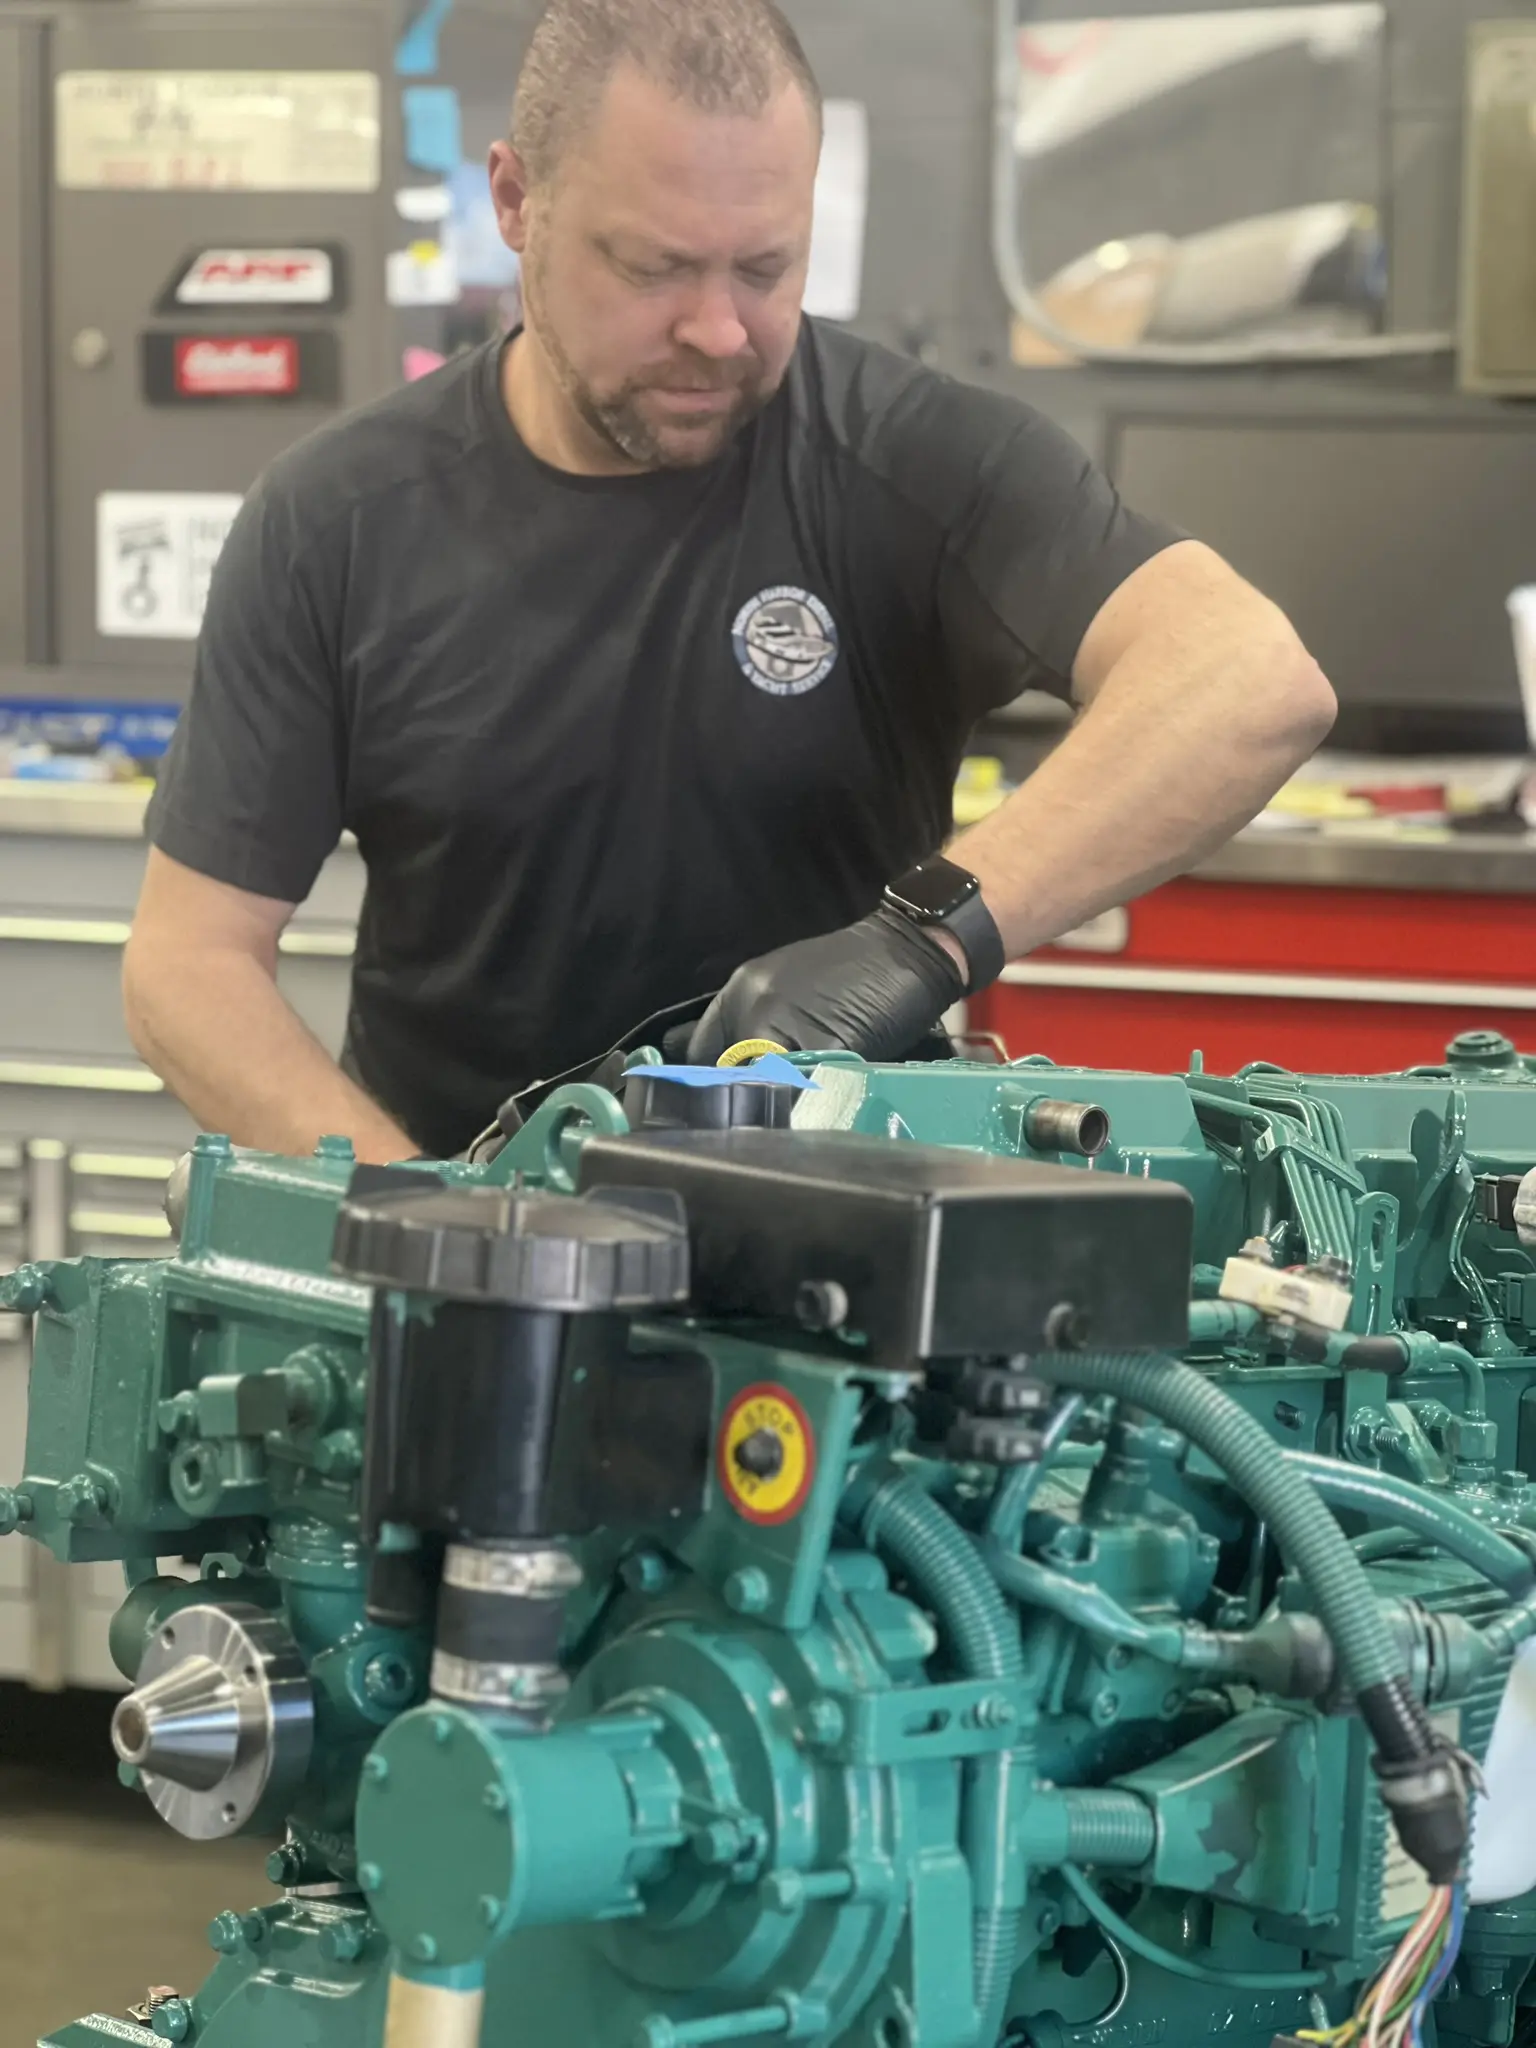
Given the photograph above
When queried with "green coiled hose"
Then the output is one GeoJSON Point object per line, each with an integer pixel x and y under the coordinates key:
{"type": "Point", "coordinates": [898, 1520]}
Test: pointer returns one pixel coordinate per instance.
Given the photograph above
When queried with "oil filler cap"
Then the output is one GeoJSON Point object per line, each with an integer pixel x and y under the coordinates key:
{"type": "Point", "coordinates": [500, 1246]}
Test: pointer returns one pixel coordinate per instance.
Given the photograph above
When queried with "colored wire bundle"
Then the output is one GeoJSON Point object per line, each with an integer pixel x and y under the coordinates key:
{"type": "Point", "coordinates": [1392, 2008]}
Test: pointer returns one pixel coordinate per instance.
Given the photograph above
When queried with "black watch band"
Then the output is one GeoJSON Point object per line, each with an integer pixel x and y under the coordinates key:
{"type": "Point", "coordinates": [937, 894]}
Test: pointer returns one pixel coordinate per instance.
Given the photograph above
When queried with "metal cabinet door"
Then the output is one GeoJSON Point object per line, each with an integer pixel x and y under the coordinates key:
{"type": "Point", "coordinates": [115, 252]}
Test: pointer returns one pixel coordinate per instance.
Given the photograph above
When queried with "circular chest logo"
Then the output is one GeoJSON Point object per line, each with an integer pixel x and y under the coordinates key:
{"type": "Point", "coordinates": [767, 1455]}
{"type": "Point", "coordinates": [786, 641]}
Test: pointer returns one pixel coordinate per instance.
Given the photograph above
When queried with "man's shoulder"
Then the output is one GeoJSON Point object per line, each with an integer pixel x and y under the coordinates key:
{"type": "Point", "coordinates": [916, 428]}
{"type": "Point", "coordinates": [396, 443]}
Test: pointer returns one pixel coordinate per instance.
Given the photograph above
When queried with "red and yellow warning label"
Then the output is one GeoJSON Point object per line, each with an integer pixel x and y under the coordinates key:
{"type": "Point", "coordinates": [766, 1455]}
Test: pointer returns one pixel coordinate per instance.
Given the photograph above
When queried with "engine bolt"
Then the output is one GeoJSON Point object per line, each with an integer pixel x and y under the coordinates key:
{"type": "Point", "coordinates": [490, 1909]}
{"type": "Point", "coordinates": [15, 1508]}
{"type": "Point", "coordinates": [1106, 1708]}
{"type": "Point", "coordinates": [370, 1878]}
{"type": "Point", "coordinates": [1049, 1921]}
{"type": "Point", "coordinates": [442, 1730]}
{"type": "Point", "coordinates": [645, 1571]}
{"type": "Point", "coordinates": [995, 1712]}
{"type": "Point", "coordinates": [376, 1769]}
{"type": "Point", "coordinates": [285, 1866]}
{"type": "Point", "coordinates": [254, 1927]}
{"type": "Point", "coordinates": [173, 2020]}
{"type": "Point", "coordinates": [224, 1933]}
{"type": "Point", "coordinates": [494, 1798]}
{"type": "Point", "coordinates": [747, 1591]}
{"type": "Point", "coordinates": [825, 1723]}
{"type": "Point", "coordinates": [345, 1941]}
{"type": "Point", "coordinates": [424, 1949]}
{"type": "Point", "coordinates": [717, 1844]}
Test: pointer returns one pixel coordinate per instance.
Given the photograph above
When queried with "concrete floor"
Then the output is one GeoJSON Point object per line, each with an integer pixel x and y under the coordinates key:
{"type": "Point", "coordinates": [98, 1899]}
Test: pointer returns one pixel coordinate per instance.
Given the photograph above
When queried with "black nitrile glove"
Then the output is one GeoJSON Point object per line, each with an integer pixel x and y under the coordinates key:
{"type": "Point", "coordinates": [876, 989]}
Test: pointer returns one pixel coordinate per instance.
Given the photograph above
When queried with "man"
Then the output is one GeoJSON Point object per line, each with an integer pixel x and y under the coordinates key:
{"type": "Point", "coordinates": [647, 645]}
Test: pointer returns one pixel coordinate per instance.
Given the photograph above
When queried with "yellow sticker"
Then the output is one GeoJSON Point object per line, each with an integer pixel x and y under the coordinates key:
{"type": "Point", "coordinates": [767, 1454]}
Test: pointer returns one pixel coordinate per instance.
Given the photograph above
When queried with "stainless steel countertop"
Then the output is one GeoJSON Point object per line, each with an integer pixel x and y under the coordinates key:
{"type": "Point", "coordinates": [1462, 863]}
{"type": "Point", "coordinates": [1494, 864]}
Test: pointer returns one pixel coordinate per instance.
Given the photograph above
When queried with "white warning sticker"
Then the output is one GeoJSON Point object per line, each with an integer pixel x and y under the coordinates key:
{"type": "Point", "coordinates": [155, 552]}
{"type": "Point", "coordinates": [247, 131]}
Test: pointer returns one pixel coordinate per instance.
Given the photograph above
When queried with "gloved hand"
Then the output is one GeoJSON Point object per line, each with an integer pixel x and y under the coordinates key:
{"type": "Point", "coordinates": [875, 989]}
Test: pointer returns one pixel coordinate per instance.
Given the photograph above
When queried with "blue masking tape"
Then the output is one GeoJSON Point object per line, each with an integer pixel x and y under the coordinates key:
{"type": "Point", "coordinates": [771, 1071]}
{"type": "Point", "coordinates": [434, 131]}
{"type": "Point", "coordinates": [416, 51]}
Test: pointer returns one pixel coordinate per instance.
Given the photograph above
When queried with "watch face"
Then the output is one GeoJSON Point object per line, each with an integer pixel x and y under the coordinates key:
{"type": "Point", "coordinates": [935, 891]}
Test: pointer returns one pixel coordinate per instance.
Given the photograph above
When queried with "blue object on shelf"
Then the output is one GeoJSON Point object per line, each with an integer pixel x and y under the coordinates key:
{"type": "Point", "coordinates": [434, 128]}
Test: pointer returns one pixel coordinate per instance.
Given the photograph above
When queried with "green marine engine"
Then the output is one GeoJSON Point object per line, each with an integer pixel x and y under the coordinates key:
{"type": "Point", "coordinates": [904, 1557]}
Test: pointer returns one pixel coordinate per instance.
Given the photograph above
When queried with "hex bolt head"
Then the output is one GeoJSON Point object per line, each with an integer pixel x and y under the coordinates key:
{"type": "Point", "coordinates": [1106, 1708]}
{"type": "Point", "coordinates": [825, 1723]}
{"type": "Point", "coordinates": [285, 1866]}
{"type": "Point", "coordinates": [173, 2020]}
{"type": "Point", "coordinates": [254, 1927]}
{"type": "Point", "coordinates": [645, 1571]}
{"type": "Point", "coordinates": [995, 1712]}
{"type": "Point", "coordinates": [783, 1890]}
{"type": "Point", "coordinates": [424, 1949]}
{"type": "Point", "coordinates": [1049, 1920]}
{"type": "Point", "coordinates": [748, 1591]}
{"type": "Point", "coordinates": [225, 1934]}
{"type": "Point", "coordinates": [491, 1909]}
{"type": "Point", "coordinates": [345, 1941]}
{"type": "Point", "coordinates": [494, 1798]}
{"type": "Point", "coordinates": [16, 1508]}
{"type": "Point", "coordinates": [376, 1769]}
{"type": "Point", "coordinates": [369, 1877]}
{"type": "Point", "coordinates": [442, 1730]}
{"type": "Point", "coordinates": [718, 1843]}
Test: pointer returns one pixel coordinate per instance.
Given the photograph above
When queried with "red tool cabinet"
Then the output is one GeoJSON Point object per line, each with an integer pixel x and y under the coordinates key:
{"type": "Point", "coordinates": [1323, 959]}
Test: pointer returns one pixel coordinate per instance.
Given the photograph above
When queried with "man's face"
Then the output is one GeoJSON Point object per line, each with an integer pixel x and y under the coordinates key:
{"type": "Point", "coordinates": [665, 267]}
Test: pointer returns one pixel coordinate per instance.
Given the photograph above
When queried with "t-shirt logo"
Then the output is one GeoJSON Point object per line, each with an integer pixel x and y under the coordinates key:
{"type": "Point", "coordinates": [786, 641]}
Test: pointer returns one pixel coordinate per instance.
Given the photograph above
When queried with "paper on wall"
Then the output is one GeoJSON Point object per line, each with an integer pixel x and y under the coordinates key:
{"type": "Point", "coordinates": [250, 131]}
{"type": "Point", "coordinates": [155, 552]}
{"type": "Point", "coordinates": [835, 286]}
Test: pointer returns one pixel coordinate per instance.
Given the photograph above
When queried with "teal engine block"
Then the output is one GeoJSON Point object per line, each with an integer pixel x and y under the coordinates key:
{"type": "Point", "coordinates": [919, 1556]}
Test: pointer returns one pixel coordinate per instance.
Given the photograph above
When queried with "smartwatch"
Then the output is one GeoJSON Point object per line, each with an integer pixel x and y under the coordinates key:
{"type": "Point", "coordinates": [937, 893]}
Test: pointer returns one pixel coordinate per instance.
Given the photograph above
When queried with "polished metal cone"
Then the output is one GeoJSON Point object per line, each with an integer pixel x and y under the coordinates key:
{"type": "Point", "coordinates": [184, 1725]}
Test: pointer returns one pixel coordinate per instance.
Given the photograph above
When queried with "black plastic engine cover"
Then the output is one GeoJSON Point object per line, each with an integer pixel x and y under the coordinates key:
{"type": "Point", "coordinates": [941, 1253]}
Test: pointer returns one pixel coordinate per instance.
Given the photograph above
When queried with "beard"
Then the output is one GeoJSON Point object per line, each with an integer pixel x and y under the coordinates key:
{"type": "Point", "coordinates": [628, 420]}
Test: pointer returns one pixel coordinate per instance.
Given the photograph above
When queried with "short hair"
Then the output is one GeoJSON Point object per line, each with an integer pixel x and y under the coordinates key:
{"type": "Point", "coordinates": [721, 56]}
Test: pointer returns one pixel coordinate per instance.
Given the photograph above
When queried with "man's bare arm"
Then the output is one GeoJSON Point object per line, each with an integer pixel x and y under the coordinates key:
{"type": "Point", "coordinates": [1201, 702]}
{"type": "Point", "coordinates": [204, 1010]}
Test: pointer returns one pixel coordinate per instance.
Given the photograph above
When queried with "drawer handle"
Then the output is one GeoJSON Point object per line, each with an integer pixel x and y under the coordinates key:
{"type": "Point", "coordinates": [121, 1166]}
{"type": "Point", "coordinates": [124, 1080]}
{"type": "Point", "coordinates": [106, 931]}
{"type": "Point", "coordinates": [117, 1223]}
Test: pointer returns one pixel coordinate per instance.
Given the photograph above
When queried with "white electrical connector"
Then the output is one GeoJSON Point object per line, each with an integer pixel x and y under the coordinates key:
{"type": "Point", "coordinates": [1525, 1211]}
{"type": "Point", "coordinates": [1294, 1297]}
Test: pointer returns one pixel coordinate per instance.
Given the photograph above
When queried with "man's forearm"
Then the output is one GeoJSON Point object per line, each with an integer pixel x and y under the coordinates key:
{"type": "Point", "coordinates": [217, 1030]}
{"type": "Point", "coordinates": [1179, 750]}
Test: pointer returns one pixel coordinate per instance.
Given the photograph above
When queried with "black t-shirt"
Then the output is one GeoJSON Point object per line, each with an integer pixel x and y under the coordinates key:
{"type": "Point", "coordinates": [603, 739]}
